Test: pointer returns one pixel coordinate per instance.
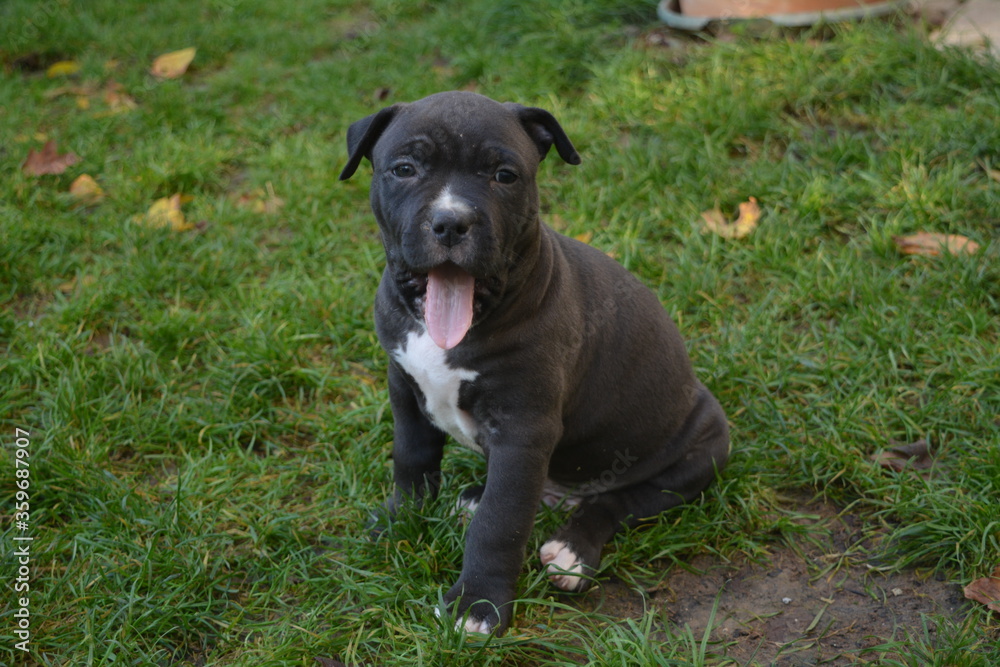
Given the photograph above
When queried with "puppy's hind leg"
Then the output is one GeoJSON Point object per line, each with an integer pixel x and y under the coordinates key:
{"type": "Point", "coordinates": [572, 555]}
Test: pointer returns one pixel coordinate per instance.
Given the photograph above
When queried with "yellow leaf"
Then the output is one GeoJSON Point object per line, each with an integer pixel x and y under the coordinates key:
{"type": "Point", "coordinates": [745, 223]}
{"type": "Point", "coordinates": [932, 244]}
{"type": "Point", "coordinates": [62, 68]}
{"type": "Point", "coordinates": [261, 201]}
{"type": "Point", "coordinates": [173, 65]}
{"type": "Point", "coordinates": [585, 237]}
{"type": "Point", "coordinates": [166, 212]}
{"type": "Point", "coordinates": [83, 103]}
{"type": "Point", "coordinates": [85, 190]}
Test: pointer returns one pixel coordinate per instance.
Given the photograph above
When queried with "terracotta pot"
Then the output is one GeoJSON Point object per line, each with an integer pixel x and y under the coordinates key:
{"type": "Point", "coordinates": [761, 8]}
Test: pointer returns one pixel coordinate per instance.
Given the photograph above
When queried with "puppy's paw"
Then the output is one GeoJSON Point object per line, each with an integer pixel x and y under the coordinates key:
{"type": "Point", "coordinates": [470, 623]}
{"type": "Point", "coordinates": [483, 626]}
{"type": "Point", "coordinates": [479, 610]}
{"type": "Point", "coordinates": [565, 566]}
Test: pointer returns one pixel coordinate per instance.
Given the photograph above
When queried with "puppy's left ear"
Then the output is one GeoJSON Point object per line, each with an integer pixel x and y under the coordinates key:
{"type": "Point", "coordinates": [545, 131]}
{"type": "Point", "coordinates": [362, 135]}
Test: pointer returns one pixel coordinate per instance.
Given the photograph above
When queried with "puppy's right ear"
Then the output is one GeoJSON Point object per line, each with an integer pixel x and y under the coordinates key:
{"type": "Point", "coordinates": [362, 135]}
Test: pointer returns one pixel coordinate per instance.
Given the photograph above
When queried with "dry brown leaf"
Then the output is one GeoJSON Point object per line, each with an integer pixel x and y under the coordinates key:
{"type": "Point", "coordinates": [48, 160]}
{"type": "Point", "coordinates": [261, 201]}
{"type": "Point", "coordinates": [172, 65]}
{"type": "Point", "coordinates": [932, 244]}
{"type": "Point", "coordinates": [745, 223]}
{"type": "Point", "coordinates": [117, 99]}
{"type": "Point", "coordinates": [85, 190]}
{"type": "Point", "coordinates": [986, 590]}
{"type": "Point", "coordinates": [62, 68]}
{"type": "Point", "coordinates": [915, 456]}
{"type": "Point", "coordinates": [166, 212]}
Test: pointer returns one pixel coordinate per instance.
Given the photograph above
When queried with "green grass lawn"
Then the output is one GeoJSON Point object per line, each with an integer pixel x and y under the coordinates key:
{"type": "Point", "coordinates": [208, 418]}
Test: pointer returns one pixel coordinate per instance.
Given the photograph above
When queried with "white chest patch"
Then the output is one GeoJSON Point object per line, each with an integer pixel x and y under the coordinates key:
{"type": "Point", "coordinates": [425, 362]}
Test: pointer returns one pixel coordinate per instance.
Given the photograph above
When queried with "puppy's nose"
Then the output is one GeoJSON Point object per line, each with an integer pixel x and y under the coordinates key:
{"type": "Point", "coordinates": [450, 226]}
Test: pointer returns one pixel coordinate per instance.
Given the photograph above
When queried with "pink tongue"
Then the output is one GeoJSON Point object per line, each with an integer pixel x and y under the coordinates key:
{"type": "Point", "coordinates": [448, 304]}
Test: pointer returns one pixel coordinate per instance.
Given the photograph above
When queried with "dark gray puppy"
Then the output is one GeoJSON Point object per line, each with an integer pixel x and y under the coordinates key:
{"type": "Point", "coordinates": [537, 350]}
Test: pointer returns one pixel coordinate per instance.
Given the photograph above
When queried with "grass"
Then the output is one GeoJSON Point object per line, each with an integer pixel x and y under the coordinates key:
{"type": "Point", "coordinates": [208, 415]}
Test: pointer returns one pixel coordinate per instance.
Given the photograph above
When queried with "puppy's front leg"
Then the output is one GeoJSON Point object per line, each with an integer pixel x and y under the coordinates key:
{"type": "Point", "coordinates": [498, 533]}
{"type": "Point", "coordinates": [417, 446]}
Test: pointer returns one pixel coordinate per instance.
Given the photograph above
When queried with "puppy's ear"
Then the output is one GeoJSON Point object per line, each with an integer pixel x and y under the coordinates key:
{"type": "Point", "coordinates": [545, 130]}
{"type": "Point", "coordinates": [362, 135]}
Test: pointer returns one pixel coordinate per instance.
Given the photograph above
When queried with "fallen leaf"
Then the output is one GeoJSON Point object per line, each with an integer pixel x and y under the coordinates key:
{"type": "Point", "coordinates": [932, 244]}
{"type": "Point", "coordinates": [85, 190]}
{"type": "Point", "coordinates": [915, 456]}
{"type": "Point", "coordinates": [117, 99]}
{"type": "Point", "coordinates": [986, 590]}
{"type": "Point", "coordinates": [261, 201]}
{"type": "Point", "coordinates": [166, 212]}
{"type": "Point", "coordinates": [62, 68]}
{"type": "Point", "coordinates": [585, 237]}
{"type": "Point", "coordinates": [745, 223]}
{"type": "Point", "coordinates": [48, 160]}
{"type": "Point", "coordinates": [172, 65]}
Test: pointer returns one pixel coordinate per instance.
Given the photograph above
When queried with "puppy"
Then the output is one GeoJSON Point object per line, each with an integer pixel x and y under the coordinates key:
{"type": "Point", "coordinates": [534, 349]}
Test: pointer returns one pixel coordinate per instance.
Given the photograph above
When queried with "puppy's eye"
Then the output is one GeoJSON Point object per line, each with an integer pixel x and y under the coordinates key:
{"type": "Point", "coordinates": [404, 171]}
{"type": "Point", "coordinates": [505, 176]}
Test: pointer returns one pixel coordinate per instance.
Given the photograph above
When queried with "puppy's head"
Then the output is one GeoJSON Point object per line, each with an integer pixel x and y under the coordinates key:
{"type": "Point", "coordinates": [453, 190]}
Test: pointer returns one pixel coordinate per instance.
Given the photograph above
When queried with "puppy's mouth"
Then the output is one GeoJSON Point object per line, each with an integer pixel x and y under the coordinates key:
{"type": "Point", "coordinates": [448, 298]}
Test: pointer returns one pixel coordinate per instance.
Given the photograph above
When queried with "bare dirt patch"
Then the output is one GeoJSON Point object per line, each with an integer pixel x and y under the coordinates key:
{"type": "Point", "coordinates": [822, 603]}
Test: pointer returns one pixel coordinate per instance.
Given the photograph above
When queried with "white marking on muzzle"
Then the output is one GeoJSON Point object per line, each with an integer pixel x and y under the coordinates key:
{"type": "Point", "coordinates": [446, 201]}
